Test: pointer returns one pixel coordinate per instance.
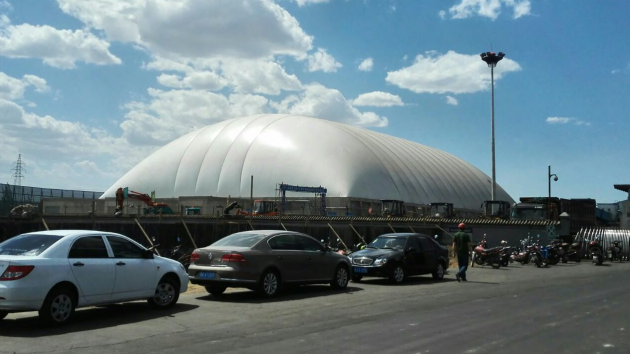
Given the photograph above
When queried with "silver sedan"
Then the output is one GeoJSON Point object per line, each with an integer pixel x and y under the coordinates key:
{"type": "Point", "coordinates": [264, 260]}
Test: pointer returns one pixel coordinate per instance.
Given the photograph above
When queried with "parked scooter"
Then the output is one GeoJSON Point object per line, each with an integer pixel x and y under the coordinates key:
{"type": "Point", "coordinates": [490, 256]}
{"type": "Point", "coordinates": [614, 251]}
{"type": "Point", "coordinates": [596, 251]}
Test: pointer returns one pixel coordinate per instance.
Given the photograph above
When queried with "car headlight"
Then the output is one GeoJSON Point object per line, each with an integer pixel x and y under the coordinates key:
{"type": "Point", "coordinates": [380, 261]}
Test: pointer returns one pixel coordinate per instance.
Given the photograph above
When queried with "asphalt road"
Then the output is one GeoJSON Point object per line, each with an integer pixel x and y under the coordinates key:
{"type": "Point", "coordinates": [566, 308]}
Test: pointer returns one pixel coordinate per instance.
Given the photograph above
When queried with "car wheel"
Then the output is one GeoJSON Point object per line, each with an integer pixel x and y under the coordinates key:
{"type": "Point", "coordinates": [357, 278]}
{"type": "Point", "coordinates": [3, 314]}
{"type": "Point", "coordinates": [398, 274]}
{"type": "Point", "coordinates": [340, 281]}
{"type": "Point", "coordinates": [216, 290]}
{"type": "Point", "coordinates": [269, 284]}
{"type": "Point", "coordinates": [438, 273]}
{"type": "Point", "coordinates": [166, 294]}
{"type": "Point", "coordinates": [58, 307]}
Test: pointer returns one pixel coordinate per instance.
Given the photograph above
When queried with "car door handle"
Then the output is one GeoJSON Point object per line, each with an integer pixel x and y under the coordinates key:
{"type": "Point", "coordinates": [120, 263]}
{"type": "Point", "coordinates": [280, 257]}
{"type": "Point", "coordinates": [78, 264]}
{"type": "Point", "coordinates": [309, 258]}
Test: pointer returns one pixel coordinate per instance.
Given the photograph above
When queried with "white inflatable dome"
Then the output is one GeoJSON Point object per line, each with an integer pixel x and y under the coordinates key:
{"type": "Point", "coordinates": [219, 159]}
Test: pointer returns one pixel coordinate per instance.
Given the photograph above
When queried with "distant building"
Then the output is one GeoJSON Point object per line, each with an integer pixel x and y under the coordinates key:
{"type": "Point", "coordinates": [624, 207]}
{"type": "Point", "coordinates": [352, 163]}
{"type": "Point", "coordinates": [612, 209]}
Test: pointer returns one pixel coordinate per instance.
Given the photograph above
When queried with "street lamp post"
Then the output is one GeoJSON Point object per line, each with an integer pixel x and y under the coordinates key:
{"type": "Point", "coordinates": [492, 59]}
{"type": "Point", "coordinates": [555, 178]}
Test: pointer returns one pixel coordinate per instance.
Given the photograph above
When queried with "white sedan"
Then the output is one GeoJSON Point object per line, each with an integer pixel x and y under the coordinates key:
{"type": "Point", "coordinates": [54, 272]}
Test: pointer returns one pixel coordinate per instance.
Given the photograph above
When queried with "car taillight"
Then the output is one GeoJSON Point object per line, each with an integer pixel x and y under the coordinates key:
{"type": "Point", "coordinates": [194, 256]}
{"type": "Point", "coordinates": [233, 257]}
{"type": "Point", "coordinates": [16, 272]}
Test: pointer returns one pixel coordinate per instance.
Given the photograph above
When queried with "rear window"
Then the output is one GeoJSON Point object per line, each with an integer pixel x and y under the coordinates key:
{"type": "Point", "coordinates": [241, 239]}
{"type": "Point", "coordinates": [27, 245]}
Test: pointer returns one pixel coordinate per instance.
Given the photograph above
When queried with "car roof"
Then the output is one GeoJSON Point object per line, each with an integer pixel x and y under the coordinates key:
{"type": "Point", "coordinates": [401, 234]}
{"type": "Point", "coordinates": [267, 232]}
{"type": "Point", "coordinates": [67, 233]}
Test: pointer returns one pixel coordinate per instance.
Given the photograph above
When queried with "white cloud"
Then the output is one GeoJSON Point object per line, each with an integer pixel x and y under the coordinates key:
{"type": "Point", "coordinates": [37, 82]}
{"type": "Point", "coordinates": [180, 29]}
{"type": "Point", "coordinates": [378, 99]}
{"type": "Point", "coordinates": [615, 71]}
{"type": "Point", "coordinates": [308, 2]}
{"type": "Point", "coordinates": [566, 120]}
{"type": "Point", "coordinates": [241, 75]}
{"type": "Point", "coordinates": [321, 60]}
{"type": "Point", "coordinates": [449, 73]}
{"type": "Point", "coordinates": [442, 14]}
{"type": "Point", "coordinates": [263, 77]}
{"type": "Point", "coordinates": [170, 114]}
{"type": "Point", "coordinates": [366, 64]}
{"type": "Point", "coordinates": [322, 102]}
{"type": "Point", "coordinates": [49, 143]}
{"type": "Point", "coordinates": [58, 48]}
{"type": "Point", "coordinates": [488, 8]}
{"type": "Point", "coordinates": [451, 100]}
{"type": "Point", "coordinates": [13, 89]}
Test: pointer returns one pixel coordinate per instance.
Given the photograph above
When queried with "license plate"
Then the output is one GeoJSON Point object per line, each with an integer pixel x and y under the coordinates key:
{"type": "Point", "coordinates": [206, 275]}
{"type": "Point", "coordinates": [360, 270]}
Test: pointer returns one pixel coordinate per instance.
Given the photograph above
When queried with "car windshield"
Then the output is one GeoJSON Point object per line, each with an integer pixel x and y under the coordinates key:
{"type": "Point", "coordinates": [241, 239]}
{"type": "Point", "coordinates": [388, 243]}
{"type": "Point", "coordinates": [27, 245]}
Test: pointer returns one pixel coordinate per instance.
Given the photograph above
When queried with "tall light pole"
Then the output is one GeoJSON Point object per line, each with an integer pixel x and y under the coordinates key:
{"type": "Point", "coordinates": [555, 178]}
{"type": "Point", "coordinates": [492, 59]}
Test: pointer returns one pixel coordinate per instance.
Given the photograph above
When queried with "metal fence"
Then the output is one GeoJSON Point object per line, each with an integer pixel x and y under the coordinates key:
{"type": "Point", "coordinates": [12, 195]}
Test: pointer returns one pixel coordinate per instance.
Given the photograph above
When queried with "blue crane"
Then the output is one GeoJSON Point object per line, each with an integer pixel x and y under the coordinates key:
{"type": "Point", "coordinates": [321, 191]}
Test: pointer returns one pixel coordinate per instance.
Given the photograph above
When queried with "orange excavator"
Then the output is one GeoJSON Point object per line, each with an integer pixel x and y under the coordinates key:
{"type": "Point", "coordinates": [261, 207]}
{"type": "Point", "coordinates": [152, 207]}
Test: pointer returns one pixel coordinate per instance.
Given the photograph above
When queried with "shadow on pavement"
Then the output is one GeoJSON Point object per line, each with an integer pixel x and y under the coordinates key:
{"type": "Point", "coordinates": [88, 319]}
{"type": "Point", "coordinates": [480, 282]}
{"type": "Point", "coordinates": [490, 268]}
{"type": "Point", "coordinates": [410, 281]}
{"type": "Point", "coordinates": [288, 293]}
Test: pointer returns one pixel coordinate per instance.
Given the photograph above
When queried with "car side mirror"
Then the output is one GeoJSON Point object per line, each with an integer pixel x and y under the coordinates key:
{"type": "Point", "coordinates": [148, 254]}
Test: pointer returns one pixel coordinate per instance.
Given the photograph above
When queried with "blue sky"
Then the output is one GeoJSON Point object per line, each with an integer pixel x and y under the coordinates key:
{"type": "Point", "coordinates": [88, 89]}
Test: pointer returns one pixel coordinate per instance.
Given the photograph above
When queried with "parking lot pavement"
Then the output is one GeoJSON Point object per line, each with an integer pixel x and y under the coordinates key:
{"type": "Point", "coordinates": [577, 308]}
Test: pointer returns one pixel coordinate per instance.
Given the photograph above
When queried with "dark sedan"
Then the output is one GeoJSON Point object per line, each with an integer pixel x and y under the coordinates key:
{"type": "Point", "coordinates": [397, 256]}
{"type": "Point", "coordinates": [264, 260]}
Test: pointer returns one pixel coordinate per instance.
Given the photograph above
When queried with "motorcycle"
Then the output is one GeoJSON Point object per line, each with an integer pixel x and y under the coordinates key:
{"type": "Point", "coordinates": [538, 255]}
{"type": "Point", "coordinates": [569, 252]}
{"type": "Point", "coordinates": [596, 251]}
{"type": "Point", "coordinates": [180, 255]}
{"type": "Point", "coordinates": [506, 254]}
{"type": "Point", "coordinates": [614, 251]}
{"type": "Point", "coordinates": [522, 254]}
{"type": "Point", "coordinates": [490, 256]}
{"type": "Point", "coordinates": [553, 253]}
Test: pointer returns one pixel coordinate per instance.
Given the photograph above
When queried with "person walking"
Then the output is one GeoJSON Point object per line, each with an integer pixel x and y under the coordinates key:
{"type": "Point", "coordinates": [461, 249]}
